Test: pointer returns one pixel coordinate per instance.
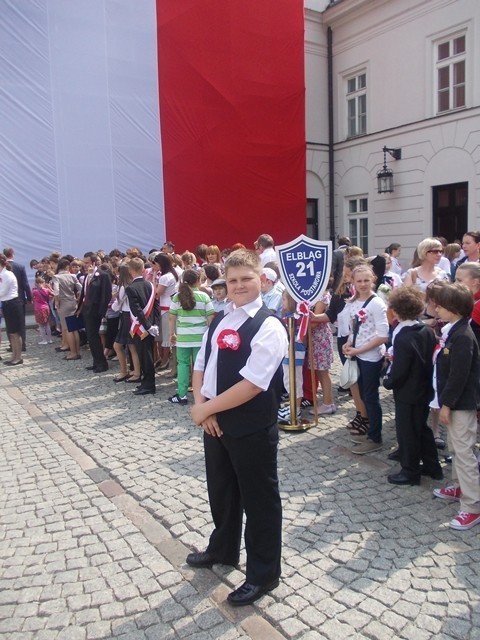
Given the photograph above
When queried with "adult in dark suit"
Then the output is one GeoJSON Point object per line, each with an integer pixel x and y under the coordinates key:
{"type": "Point", "coordinates": [141, 297]}
{"type": "Point", "coordinates": [338, 257]}
{"type": "Point", "coordinates": [410, 376]}
{"type": "Point", "coordinates": [93, 302]}
{"type": "Point", "coordinates": [24, 291]}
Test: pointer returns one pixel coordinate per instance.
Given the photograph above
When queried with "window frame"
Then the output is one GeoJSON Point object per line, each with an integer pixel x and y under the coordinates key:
{"type": "Point", "coordinates": [450, 63]}
{"type": "Point", "coordinates": [356, 96]}
{"type": "Point", "coordinates": [357, 216]}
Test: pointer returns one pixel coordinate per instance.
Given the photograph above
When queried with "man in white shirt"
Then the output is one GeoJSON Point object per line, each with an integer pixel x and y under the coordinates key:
{"type": "Point", "coordinates": [265, 248]}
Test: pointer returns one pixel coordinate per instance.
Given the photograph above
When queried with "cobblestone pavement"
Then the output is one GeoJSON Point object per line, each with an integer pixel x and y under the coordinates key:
{"type": "Point", "coordinates": [103, 494]}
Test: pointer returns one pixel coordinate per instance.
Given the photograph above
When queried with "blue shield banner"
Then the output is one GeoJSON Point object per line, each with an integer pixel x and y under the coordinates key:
{"type": "Point", "coordinates": [305, 266]}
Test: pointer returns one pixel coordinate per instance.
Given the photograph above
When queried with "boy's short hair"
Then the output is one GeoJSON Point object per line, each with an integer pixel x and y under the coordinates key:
{"type": "Point", "coordinates": [456, 298]}
{"type": "Point", "coordinates": [136, 265]}
{"type": "Point", "coordinates": [244, 258]}
{"type": "Point", "coordinates": [407, 302]}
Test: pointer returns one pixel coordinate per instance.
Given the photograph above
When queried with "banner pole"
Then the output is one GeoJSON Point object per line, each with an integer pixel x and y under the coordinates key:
{"type": "Point", "coordinates": [295, 424]}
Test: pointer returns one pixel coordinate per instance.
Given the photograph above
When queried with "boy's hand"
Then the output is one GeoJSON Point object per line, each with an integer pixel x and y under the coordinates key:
{"type": "Point", "coordinates": [444, 415]}
{"type": "Point", "coordinates": [208, 422]}
{"type": "Point", "coordinates": [199, 413]}
{"type": "Point", "coordinates": [210, 426]}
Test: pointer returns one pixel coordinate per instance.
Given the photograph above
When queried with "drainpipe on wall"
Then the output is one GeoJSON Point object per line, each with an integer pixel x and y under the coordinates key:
{"type": "Point", "coordinates": [331, 177]}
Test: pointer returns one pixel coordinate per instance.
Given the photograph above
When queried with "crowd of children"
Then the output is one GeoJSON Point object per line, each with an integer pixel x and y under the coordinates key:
{"type": "Point", "coordinates": [415, 329]}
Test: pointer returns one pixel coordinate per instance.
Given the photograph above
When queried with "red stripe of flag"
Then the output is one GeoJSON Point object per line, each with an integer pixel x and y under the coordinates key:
{"type": "Point", "coordinates": [232, 111]}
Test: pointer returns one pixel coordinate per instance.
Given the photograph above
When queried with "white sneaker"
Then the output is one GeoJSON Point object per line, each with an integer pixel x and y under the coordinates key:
{"type": "Point", "coordinates": [325, 410]}
{"type": "Point", "coordinates": [43, 342]}
{"type": "Point", "coordinates": [283, 415]}
{"type": "Point", "coordinates": [50, 342]}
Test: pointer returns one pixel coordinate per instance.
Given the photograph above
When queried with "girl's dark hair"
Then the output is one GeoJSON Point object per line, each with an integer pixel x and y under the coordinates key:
{"type": "Point", "coordinates": [392, 247]}
{"type": "Point", "coordinates": [107, 269]}
{"type": "Point", "coordinates": [165, 264]}
{"type": "Point", "coordinates": [211, 271]}
{"type": "Point", "coordinates": [63, 263]}
{"type": "Point", "coordinates": [201, 251]}
{"type": "Point", "coordinates": [124, 275]}
{"type": "Point", "coordinates": [186, 298]}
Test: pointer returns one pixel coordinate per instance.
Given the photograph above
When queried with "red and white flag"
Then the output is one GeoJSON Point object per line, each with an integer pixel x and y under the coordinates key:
{"type": "Point", "coordinates": [128, 122]}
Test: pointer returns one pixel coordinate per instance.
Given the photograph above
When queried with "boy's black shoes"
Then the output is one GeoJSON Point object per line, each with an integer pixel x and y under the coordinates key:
{"type": "Point", "coordinates": [403, 479]}
{"type": "Point", "coordinates": [249, 593]}
{"type": "Point", "coordinates": [205, 559]}
{"type": "Point", "coordinates": [143, 392]}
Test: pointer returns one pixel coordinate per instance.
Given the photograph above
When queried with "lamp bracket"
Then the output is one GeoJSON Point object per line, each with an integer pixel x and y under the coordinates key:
{"type": "Point", "coordinates": [395, 153]}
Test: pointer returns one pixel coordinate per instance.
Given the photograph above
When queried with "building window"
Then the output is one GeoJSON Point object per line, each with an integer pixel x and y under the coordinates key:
{"type": "Point", "coordinates": [358, 222]}
{"type": "Point", "coordinates": [357, 105]}
{"type": "Point", "coordinates": [450, 73]}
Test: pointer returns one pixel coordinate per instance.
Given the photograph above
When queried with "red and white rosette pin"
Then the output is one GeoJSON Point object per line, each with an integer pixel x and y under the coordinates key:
{"type": "Point", "coordinates": [362, 315]}
{"type": "Point", "coordinates": [303, 311]}
{"type": "Point", "coordinates": [228, 339]}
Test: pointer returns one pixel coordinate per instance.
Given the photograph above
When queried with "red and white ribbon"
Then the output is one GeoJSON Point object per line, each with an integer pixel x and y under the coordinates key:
{"type": "Point", "coordinates": [303, 311]}
{"type": "Point", "coordinates": [136, 327]}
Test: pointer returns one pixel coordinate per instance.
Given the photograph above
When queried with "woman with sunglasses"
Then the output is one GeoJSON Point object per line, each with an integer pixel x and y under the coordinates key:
{"type": "Point", "coordinates": [429, 252]}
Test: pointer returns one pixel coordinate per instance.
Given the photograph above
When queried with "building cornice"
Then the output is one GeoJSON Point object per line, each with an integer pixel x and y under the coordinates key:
{"type": "Point", "coordinates": [425, 123]}
{"type": "Point", "coordinates": [394, 14]}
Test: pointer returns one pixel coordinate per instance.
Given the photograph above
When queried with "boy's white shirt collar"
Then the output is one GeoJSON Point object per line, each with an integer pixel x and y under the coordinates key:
{"type": "Point", "coordinates": [250, 308]}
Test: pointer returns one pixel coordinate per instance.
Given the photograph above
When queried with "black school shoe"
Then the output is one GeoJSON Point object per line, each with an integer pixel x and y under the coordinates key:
{"type": "Point", "coordinates": [206, 559]}
{"type": "Point", "coordinates": [249, 593]}
{"type": "Point", "coordinates": [403, 478]}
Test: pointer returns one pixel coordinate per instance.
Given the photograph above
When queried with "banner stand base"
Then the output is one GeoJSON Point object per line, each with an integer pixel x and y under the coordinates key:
{"type": "Point", "coordinates": [304, 426]}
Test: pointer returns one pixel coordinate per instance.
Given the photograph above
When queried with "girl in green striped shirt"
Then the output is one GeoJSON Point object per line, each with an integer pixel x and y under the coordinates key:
{"type": "Point", "coordinates": [191, 312]}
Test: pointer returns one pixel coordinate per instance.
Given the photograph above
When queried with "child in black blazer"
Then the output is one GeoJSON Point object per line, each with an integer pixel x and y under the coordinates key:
{"type": "Point", "coordinates": [458, 383]}
{"type": "Point", "coordinates": [410, 377]}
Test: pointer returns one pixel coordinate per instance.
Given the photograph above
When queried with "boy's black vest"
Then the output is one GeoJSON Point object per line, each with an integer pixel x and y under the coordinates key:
{"type": "Point", "coordinates": [261, 411]}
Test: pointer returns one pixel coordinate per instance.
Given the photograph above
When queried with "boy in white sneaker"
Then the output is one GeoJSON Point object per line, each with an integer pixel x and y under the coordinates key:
{"type": "Point", "coordinates": [458, 383]}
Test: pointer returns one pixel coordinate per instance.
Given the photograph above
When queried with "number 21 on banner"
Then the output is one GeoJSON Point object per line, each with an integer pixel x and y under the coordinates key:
{"type": "Point", "coordinates": [302, 269]}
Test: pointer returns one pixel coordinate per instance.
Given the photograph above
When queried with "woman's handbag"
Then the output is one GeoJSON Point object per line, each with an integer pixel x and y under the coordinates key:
{"type": "Point", "coordinates": [349, 373]}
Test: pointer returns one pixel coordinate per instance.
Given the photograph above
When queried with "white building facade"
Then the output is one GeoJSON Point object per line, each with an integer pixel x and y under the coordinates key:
{"type": "Point", "coordinates": [405, 75]}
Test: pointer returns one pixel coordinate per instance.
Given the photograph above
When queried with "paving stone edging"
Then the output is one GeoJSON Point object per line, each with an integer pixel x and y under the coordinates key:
{"type": "Point", "coordinates": [257, 627]}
